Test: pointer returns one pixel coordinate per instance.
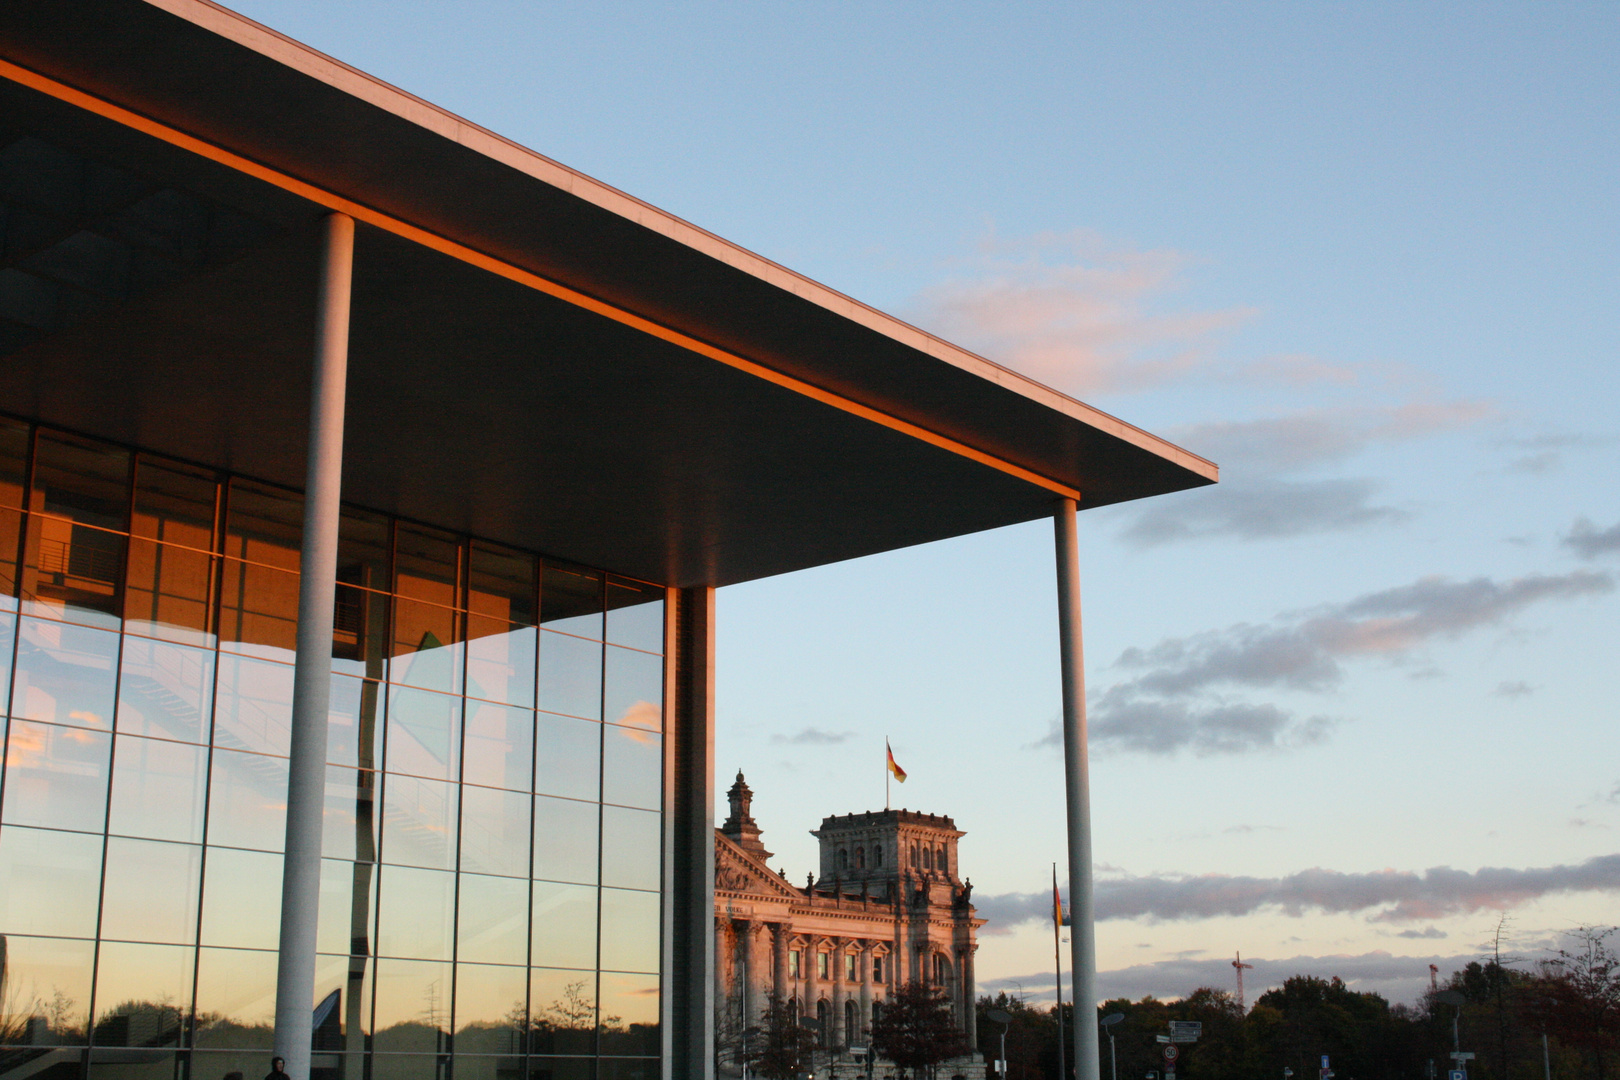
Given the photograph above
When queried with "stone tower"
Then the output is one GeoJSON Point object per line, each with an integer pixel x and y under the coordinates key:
{"type": "Point", "coordinates": [740, 827]}
{"type": "Point", "coordinates": [882, 847]}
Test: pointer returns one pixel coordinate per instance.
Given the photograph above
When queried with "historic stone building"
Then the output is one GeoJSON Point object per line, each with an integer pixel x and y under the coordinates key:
{"type": "Point", "coordinates": [887, 907]}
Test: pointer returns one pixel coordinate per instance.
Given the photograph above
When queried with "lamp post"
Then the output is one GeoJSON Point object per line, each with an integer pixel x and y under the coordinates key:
{"type": "Point", "coordinates": [1456, 1000]}
{"type": "Point", "coordinates": [1113, 1055]}
{"type": "Point", "coordinates": [1004, 1018]}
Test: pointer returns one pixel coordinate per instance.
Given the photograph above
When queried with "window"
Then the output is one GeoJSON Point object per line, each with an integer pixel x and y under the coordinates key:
{"type": "Point", "coordinates": [849, 966]}
{"type": "Point", "coordinates": [860, 858]}
{"type": "Point", "coordinates": [793, 964]}
{"type": "Point", "coordinates": [821, 965]}
{"type": "Point", "coordinates": [843, 859]}
{"type": "Point", "coordinates": [877, 855]}
{"type": "Point", "coordinates": [877, 973]}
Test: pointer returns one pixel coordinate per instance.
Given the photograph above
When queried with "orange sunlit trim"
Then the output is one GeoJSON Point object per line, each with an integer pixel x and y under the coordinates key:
{"type": "Point", "coordinates": [370, 216]}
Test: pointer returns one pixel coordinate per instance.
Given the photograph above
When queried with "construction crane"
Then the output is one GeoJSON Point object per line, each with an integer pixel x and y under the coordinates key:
{"type": "Point", "coordinates": [1240, 965]}
{"type": "Point", "coordinates": [1434, 979]}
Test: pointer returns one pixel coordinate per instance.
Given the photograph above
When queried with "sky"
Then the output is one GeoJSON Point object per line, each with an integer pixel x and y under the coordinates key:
{"type": "Point", "coordinates": [1352, 710]}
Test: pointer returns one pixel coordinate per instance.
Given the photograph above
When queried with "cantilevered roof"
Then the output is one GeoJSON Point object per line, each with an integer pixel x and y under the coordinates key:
{"type": "Point", "coordinates": [535, 357]}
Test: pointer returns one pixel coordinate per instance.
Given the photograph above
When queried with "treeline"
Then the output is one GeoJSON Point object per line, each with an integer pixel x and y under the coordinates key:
{"type": "Point", "coordinates": [1558, 1017]}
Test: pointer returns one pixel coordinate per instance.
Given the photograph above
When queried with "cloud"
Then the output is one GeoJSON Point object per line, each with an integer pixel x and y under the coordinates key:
{"type": "Point", "coordinates": [1542, 454]}
{"type": "Point", "coordinates": [1387, 896]}
{"type": "Point", "coordinates": [1179, 697]}
{"type": "Point", "coordinates": [1513, 690]}
{"type": "Point", "coordinates": [1079, 313]}
{"type": "Point", "coordinates": [1590, 542]}
{"type": "Point", "coordinates": [1262, 509]}
{"type": "Point", "coordinates": [814, 736]}
{"type": "Point", "coordinates": [1426, 932]}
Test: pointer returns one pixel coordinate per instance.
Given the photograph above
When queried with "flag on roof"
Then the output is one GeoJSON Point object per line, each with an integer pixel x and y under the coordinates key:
{"type": "Point", "coordinates": [899, 773]}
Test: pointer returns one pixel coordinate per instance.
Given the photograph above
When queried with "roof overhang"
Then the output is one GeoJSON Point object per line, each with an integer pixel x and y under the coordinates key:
{"type": "Point", "coordinates": [535, 357]}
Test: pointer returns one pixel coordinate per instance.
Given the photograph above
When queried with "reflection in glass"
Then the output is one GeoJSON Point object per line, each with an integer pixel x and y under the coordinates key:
{"type": "Point", "coordinates": [47, 991]}
{"type": "Point", "coordinates": [49, 883]}
{"type": "Point", "coordinates": [150, 892]}
{"type": "Point", "coordinates": [242, 899]}
{"type": "Point", "coordinates": [253, 709]}
{"type": "Point", "coordinates": [630, 1016]}
{"type": "Point", "coordinates": [143, 1064]}
{"type": "Point", "coordinates": [349, 829]}
{"type": "Point", "coordinates": [15, 438]}
{"type": "Point", "coordinates": [419, 822]}
{"type": "Point", "coordinates": [564, 934]}
{"type": "Point", "coordinates": [565, 847]}
{"type": "Point", "coordinates": [498, 750]}
{"type": "Point", "coordinates": [632, 767]}
{"type": "Point", "coordinates": [264, 524]}
{"type": "Point", "coordinates": [413, 1007]}
{"type": "Point", "coordinates": [359, 632]}
{"type": "Point", "coordinates": [353, 734]}
{"type": "Point", "coordinates": [635, 614]}
{"type": "Point", "coordinates": [143, 993]}
{"type": "Point", "coordinates": [236, 998]}
{"type": "Point", "coordinates": [348, 895]}
{"type": "Point", "coordinates": [80, 480]}
{"type": "Point", "coordinates": [501, 583]}
{"type": "Point", "coordinates": [490, 1009]}
{"type": "Point", "coordinates": [571, 675]}
{"type": "Point", "coordinates": [627, 1068]}
{"type": "Point", "coordinates": [363, 549]}
{"type": "Point", "coordinates": [168, 593]}
{"type": "Point", "coordinates": [427, 649]}
{"type": "Point", "coordinates": [73, 572]}
{"type": "Point", "coordinates": [567, 757]}
{"type": "Point", "coordinates": [158, 789]}
{"type": "Point", "coordinates": [562, 1068]}
{"type": "Point", "coordinates": [65, 674]}
{"type": "Point", "coordinates": [417, 914]}
{"type": "Point", "coordinates": [427, 564]}
{"type": "Point", "coordinates": [494, 917]}
{"type": "Point", "coordinates": [630, 930]}
{"type": "Point", "coordinates": [10, 530]}
{"type": "Point", "coordinates": [165, 690]}
{"type": "Point", "coordinates": [500, 661]}
{"type": "Point", "coordinates": [258, 610]}
{"type": "Point", "coordinates": [56, 777]}
{"type": "Point", "coordinates": [571, 600]}
{"type": "Point", "coordinates": [633, 688]}
{"type": "Point", "coordinates": [632, 848]}
{"type": "Point", "coordinates": [562, 1011]}
{"type": "Point", "coordinates": [350, 979]}
{"type": "Point", "coordinates": [248, 798]}
{"type": "Point", "coordinates": [386, 1066]}
{"type": "Point", "coordinates": [424, 733]}
{"type": "Point", "coordinates": [495, 831]}
{"type": "Point", "coordinates": [175, 504]}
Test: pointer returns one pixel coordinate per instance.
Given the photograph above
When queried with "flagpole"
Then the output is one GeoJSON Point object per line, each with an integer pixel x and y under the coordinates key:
{"type": "Point", "coordinates": [1057, 958]}
{"type": "Point", "coordinates": [888, 775]}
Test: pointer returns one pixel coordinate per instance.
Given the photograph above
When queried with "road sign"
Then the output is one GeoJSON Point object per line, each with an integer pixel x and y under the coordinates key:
{"type": "Point", "coordinates": [1462, 1055]}
{"type": "Point", "coordinates": [1324, 1061]}
{"type": "Point", "coordinates": [1185, 1031]}
{"type": "Point", "coordinates": [1162, 1038]}
{"type": "Point", "coordinates": [1171, 1052]}
{"type": "Point", "coordinates": [1456, 1074]}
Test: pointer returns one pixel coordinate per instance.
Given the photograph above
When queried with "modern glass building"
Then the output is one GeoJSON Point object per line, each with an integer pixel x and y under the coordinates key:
{"type": "Point", "coordinates": [365, 484]}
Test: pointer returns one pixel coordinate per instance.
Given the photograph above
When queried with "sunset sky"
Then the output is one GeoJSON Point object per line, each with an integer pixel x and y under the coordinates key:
{"type": "Point", "coordinates": [1350, 707]}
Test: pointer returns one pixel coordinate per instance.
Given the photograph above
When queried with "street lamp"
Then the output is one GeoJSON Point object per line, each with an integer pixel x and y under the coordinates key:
{"type": "Point", "coordinates": [1113, 1055]}
{"type": "Point", "coordinates": [1456, 1000]}
{"type": "Point", "coordinates": [1004, 1018]}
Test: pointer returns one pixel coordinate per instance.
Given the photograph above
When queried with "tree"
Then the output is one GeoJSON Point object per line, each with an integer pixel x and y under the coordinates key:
{"type": "Point", "coordinates": [1030, 1035]}
{"type": "Point", "coordinates": [1581, 996]}
{"type": "Point", "coordinates": [778, 1048]}
{"type": "Point", "coordinates": [915, 1030]}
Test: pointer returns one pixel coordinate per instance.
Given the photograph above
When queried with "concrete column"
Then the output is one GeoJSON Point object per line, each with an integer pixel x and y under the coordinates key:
{"type": "Point", "coordinates": [779, 954]}
{"type": "Point", "coordinates": [312, 674]}
{"type": "Point", "coordinates": [1077, 784]}
{"type": "Point", "coordinates": [838, 1036]}
{"type": "Point", "coordinates": [689, 918]}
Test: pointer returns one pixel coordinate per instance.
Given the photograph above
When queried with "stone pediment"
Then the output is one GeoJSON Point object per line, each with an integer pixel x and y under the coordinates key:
{"type": "Point", "coordinates": [736, 871]}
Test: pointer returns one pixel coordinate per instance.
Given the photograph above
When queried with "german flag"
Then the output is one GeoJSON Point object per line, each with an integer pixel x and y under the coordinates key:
{"type": "Point", "coordinates": [899, 773]}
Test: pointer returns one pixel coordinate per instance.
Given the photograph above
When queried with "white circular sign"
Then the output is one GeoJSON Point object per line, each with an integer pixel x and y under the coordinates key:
{"type": "Point", "coordinates": [1171, 1052]}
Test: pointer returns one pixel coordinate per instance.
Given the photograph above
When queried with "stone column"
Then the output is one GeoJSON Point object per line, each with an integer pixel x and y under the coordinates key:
{"type": "Point", "coordinates": [969, 997]}
{"type": "Point", "coordinates": [779, 946]}
{"type": "Point", "coordinates": [838, 1038]}
{"type": "Point", "coordinates": [745, 971]}
{"type": "Point", "coordinates": [864, 974]}
{"type": "Point", "coordinates": [812, 985]}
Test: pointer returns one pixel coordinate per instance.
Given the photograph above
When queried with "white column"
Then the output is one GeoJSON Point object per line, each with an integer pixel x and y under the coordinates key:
{"type": "Point", "coordinates": [312, 675]}
{"type": "Point", "coordinates": [1077, 784]}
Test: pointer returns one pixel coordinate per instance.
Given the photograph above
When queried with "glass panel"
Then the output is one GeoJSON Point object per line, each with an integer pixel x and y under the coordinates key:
{"type": "Point", "coordinates": [419, 822]}
{"type": "Point", "coordinates": [427, 565]}
{"type": "Point", "coordinates": [73, 572]}
{"type": "Point", "coordinates": [568, 758]}
{"type": "Point", "coordinates": [81, 481]}
{"type": "Point", "coordinates": [13, 461]}
{"type": "Point", "coordinates": [502, 584]}
{"type": "Point", "coordinates": [174, 504]}
{"type": "Point", "coordinates": [617, 1037]}
{"type": "Point", "coordinates": [629, 1006]}
{"type": "Point", "coordinates": [630, 930]}
{"type": "Point", "coordinates": [562, 1068]}
{"type": "Point", "coordinates": [423, 733]}
{"type": "Point", "coordinates": [143, 993]}
{"type": "Point", "coordinates": [10, 536]}
{"type": "Point", "coordinates": [49, 884]}
{"type": "Point", "coordinates": [571, 600]}
{"type": "Point", "coordinates": [353, 733]}
{"type": "Point", "coordinates": [242, 899]}
{"type": "Point", "coordinates": [500, 661]}
{"type": "Point", "coordinates": [143, 1064]}
{"type": "Point", "coordinates": [498, 750]}
{"type": "Point", "coordinates": [158, 790]}
{"type": "Point", "coordinates": [168, 593]}
{"type": "Point", "coordinates": [570, 675]}
{"type": "Point", "coordinates": [562, 1008]}
{"type": "Point", "coordinates": [564, 933]}
{"type": "Point", "coordinates": [635, 615]}
{"type": "Point", "coordinates": [494, 917]}
{"type": "Point", "coordinates": [495, 831]}
{"type": "Point", "coordinates": [264, 524]}
{"type": "Point", "coordinates": [150, 893]}
{"type": "Point", "coordinates": [565, 840]}
{"type": "Point", "coordinates": [65, 674]}
{"type": "Point", "coordinates": [238, 1064]}
{"type": "Point", "coordinates": [348, 900]}
{"type": "Point", "coordinates": [350, 823]}
{"type": "Point", "coordinates": [416, 917]}
{"type": "Point", "coordinates": [427, 647]}
{"type": "Point", "coordinates": [364, 544]}
{"type": "Point", "coordinates": [351, 1013]}
{"type": "Point", "coordinates": [253, 710]}
{"type": "Point", "coordinates": [47, 991]}
{"type": "Point", "coordinates": [236, 998]}
{"type": "Point", "coordinates": [489, 1066]}
{"type": "Point", "coordinates": [491, 1010]}
{"type": "Point", "coordinates": [8, 653]}
{"type": "Point", "coordinates": [632, 767]}
{"type": "Point", "coordinates": [633, 693]}
{"type": "Point", "coordinates": [632, 848]}
{"type": "Point", "coordinates": [407, 1066]}
{"type": "Point", "coordinates": [165, 690]}
{"type": "Point", "coordinates": [359, 632]}
{"type": "Point", "coordinates": [56, 777]}
{"type": "Point", "coordinates": [258, 613]}
{"type": "Point", "coordinates": [413, 1007]}
{"type": "Point", "coordinates": [248, 801]}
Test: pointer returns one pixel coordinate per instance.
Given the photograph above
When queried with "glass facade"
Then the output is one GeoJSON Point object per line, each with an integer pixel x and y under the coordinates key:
{"type": "Point", "coordinates": [491, 883]}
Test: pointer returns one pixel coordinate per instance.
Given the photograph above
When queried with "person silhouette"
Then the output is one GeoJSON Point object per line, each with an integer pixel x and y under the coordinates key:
{"type": "Point", "coordinates": [278, 1070]}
